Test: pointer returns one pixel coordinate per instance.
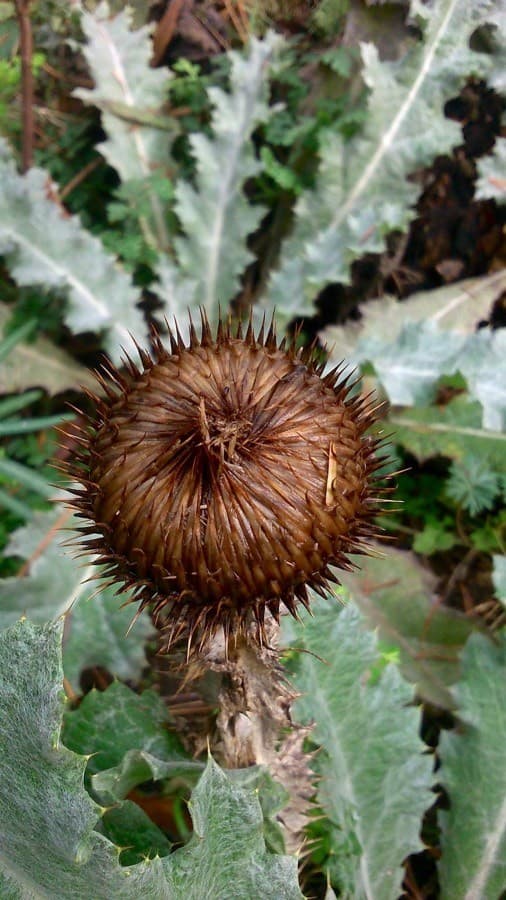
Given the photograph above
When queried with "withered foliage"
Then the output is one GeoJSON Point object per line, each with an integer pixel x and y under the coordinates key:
{"type": "Point", "coordinates": [225, 477]}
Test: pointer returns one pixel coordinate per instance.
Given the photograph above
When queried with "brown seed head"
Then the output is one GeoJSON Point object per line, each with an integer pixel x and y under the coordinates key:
{"type": "Point", "coordinates": [225, 478]}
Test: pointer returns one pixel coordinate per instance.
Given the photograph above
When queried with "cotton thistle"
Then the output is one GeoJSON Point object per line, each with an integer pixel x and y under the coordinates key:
{"type": "Point", "coordinates": [223, 478]}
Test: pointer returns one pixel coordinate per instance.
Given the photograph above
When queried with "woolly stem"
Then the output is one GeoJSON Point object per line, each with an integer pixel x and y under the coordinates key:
{"type": "Point", "coordinates": [254, 724]}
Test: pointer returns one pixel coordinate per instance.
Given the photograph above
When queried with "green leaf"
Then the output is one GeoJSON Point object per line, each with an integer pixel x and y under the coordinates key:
{"type": "Point", "coordinates": [491, 182]}
{"type": "Point", "coordinates": [38, 775]}
{"type": "Point", "coordinates": [109, 723]}
{"type": "Point", "coordinates": [434, 538]}
{"type": "Point", "coordinates": [397, 596]}
{"type": "Point", "coordinates": [128, 826]}
{"type": "Point", "coordinates": [97, 626]}
{"type": "Point", "coordinates": [126, 88]}
{"type": "Point", "coordinates": [410, 366]}
{"type": "Point", "coordinates": [47, 819]}
{"type": "Point", "coordinates": [499, 577]}
{"type": "Point", "coordinates": [483, 364]}
{"type": "Point", "coordinates": [226, 851]}
{"type": "Point", "coordinates": [473, 829]}
{"type": "Point", "coordinates": [215, 214]}
{"type": "Point", "coordinates": [472, 485]}
{"type": "Point", "coordinates": [453, 430]}
{"type": "Point", "coordinates": [128, 735]}
{"type": "Point", "coordinates": [455, 307]}
{"type": "Point", "coordinates": [410, 350]}
{"type": "Point", "coordinates": [41, 363]}
{"type": "Point", "coordinates": [50, 585]}
{"type": "Point", "coordinates": [26, 476]}
{"type": "Point", "coordinates": [99, 633]}
{"type": "Point", "coordinates": [375, 780]}
{"type": "Point", "coordinates": [362, 191]}
{"type": "Point", "coordinates": [43, 246]}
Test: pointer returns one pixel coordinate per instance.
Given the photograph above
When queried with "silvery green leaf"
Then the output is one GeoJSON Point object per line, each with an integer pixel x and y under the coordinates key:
{"type": "Point", "coordinates": [42, 363]}
{"type": "Point", "coordinates": [128, 737]}
{"type": "Point", "coordinates": [226, 852]}
{"type": "Point", "coordinates": [492, 174]}
{"type": "Point", "coordinates": [215, 215]}
{"type": "Point", "coordinates": [455, 307]}
{"type": "Point", "coordinates": [412, 343]}
{"type": "Point", "coordinates": [482, 361]}
{"type": "Point", "coordinates": [49, 586]}
{"type": "Point", "coordinates": [375, 777]}
{"type": "Point", "coordinates": [54, 584]}
{"type": "Point", "coordinates": [452, 430]}
{"type": "Point", "coordinates": [472, 772]}
{"type": "Point", "coordinates": [98, 633]}
{"type": "Point", "coordinates": [499, 577]}
{"type": "Point", "coordinates": [130, 94]}
{"type": "Point", "coordinates": [404, 609]}
{"type": "Point", "coordinates": [362, 191]}
{"type": "Point", "coordinates": [497, 77]}
{"type": "Point", "coordinates": [410, 366]}
{"type": "Point", "coordinates": [45, 247]}
{"type": "Point", "coordinates": [48, 839]}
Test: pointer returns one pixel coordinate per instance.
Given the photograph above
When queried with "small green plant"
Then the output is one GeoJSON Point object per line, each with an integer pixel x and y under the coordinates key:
{"type": "Point", "coordinates": [21, 481]}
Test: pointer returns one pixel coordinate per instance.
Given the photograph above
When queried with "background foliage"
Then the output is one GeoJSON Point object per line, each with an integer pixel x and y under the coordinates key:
{"type": "Point", "coordinates": [347, 168]}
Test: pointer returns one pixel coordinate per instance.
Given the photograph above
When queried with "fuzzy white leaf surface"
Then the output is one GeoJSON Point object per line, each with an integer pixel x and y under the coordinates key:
{"type": "Point", "coordinates": [215, 215]}
{"type": "Point", "coordinates": [414, 342]}
{"type": "Point", "coordinates": [54, 584]}
{"type": "Point", "coordinates": [45, 247]}
{"type": "Point", "coordinates": [499, 577]}
{"type": "Point", "coordinates": [375, 777]}
{"type": "Point", "coordinates": [491, 182]}
{"type": "Point", "coordinates": [473, 829]}
{"type": "Point", "coordinates": [362, 190]}
{"type": "Point", "coordinates": [48, 821]}
{"type": "Point", "coordinates": [126, 86]}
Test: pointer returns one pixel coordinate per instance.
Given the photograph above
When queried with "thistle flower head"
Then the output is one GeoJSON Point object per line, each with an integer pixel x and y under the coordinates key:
{"type": "Point", "coordinates": [223, 478]}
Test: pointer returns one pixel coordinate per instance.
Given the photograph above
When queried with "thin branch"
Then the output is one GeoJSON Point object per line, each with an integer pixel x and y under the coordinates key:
{"type": "Point", "coordinates": [26, 43]}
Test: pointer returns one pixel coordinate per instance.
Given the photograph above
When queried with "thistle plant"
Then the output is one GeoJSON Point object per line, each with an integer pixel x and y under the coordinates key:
{"type": "Point", "coordinates": [223, 479]}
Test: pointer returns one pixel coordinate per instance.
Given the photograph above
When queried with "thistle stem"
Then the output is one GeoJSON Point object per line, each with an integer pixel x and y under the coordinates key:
{"type": "Point", "coordinates": [254, 724]}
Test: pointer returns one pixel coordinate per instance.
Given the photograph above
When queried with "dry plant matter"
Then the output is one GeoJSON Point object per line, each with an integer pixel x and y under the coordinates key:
{"type": "Point", "coordinates": [224, 478]}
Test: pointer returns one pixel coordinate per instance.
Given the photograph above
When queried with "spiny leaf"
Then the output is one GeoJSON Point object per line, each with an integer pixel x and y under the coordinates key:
{"type": "Point", "coordinates": [482, 362]}
{"type": "Point", "coordinates": [127, 825]}
{"type": "Point", "coordinates": [47, 819]}
{"type": "Point", "coordinates": [473, 829]}
{"type": "Point", "coordinates": [43, 246]}
{"type": "Point", "coordinates": [215, 214]}
{"type": "Point", "coordinates": [128, 737]}
{"type": "Point", "coordinates": [410, 366]}
{"type": "Point", "coordinates": [412, 343]}
{"type": "Point", "coordinates": [53, 584]}
{"type": "Point", "coordinates": [376, 781]}
{"type": "Point", "coordinates": [455, 307]}
{"type": "Point", "coordinates": [126, 86]}
{"type": "Point", "coordinates": [226, 853]}
{"type": "Point", "coordinates": [362, 192]}
{"type": "Point", "coordinates": [397, 596]}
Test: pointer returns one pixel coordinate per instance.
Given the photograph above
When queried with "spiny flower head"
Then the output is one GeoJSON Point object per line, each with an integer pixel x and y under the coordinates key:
{"type": "Point", "coordinates": [221, 479]}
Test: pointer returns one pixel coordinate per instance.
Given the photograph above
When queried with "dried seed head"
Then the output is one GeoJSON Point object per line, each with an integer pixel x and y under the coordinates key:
{"type": "Point", "coordinates": [225, 478]}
